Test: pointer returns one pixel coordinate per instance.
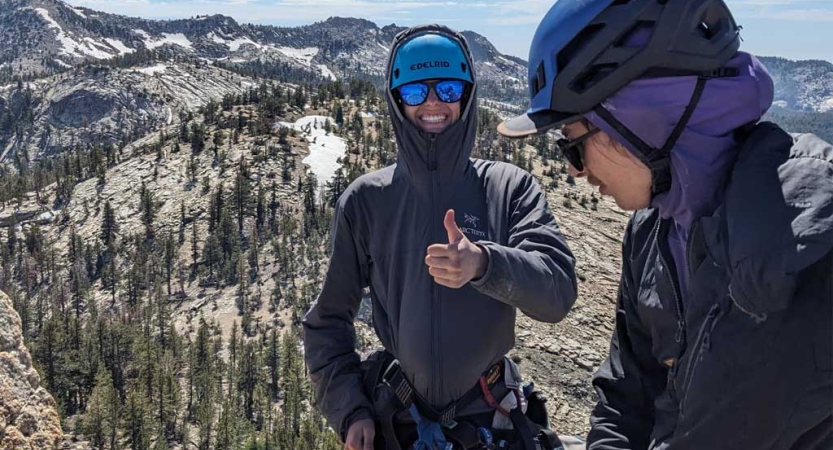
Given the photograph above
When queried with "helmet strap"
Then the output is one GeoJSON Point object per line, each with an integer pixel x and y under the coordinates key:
{"type": "Point", "coordinates": [658, 160]}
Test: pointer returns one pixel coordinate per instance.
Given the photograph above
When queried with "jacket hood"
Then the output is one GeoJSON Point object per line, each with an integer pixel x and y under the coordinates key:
{"type": "Point", "coordinates": [777, 218]}
{"type": "Point", "coordinates": [707, 149]}
{"type": "Point", "coordinates": [447, 153]}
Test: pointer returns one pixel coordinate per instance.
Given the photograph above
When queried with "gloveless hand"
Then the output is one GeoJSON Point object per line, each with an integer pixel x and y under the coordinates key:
{"type": "Point", "coordinates": [454, 264]}
{"type": "Point", "coordinates": [360, 435]}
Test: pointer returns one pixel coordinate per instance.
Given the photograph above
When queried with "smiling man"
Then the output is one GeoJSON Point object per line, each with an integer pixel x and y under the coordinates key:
{"type": "Point", "coordinates": [444, 297]}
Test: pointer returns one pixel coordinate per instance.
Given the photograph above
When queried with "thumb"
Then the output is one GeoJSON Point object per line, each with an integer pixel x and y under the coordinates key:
{"type": "Point", "coordinates": [369, 436]}
{"type": "Point", "coordinates": [454, 233]}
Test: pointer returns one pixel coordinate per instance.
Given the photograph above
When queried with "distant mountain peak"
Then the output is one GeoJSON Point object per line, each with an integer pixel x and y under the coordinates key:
{"type": "Point", "coordinates": [350, 22]}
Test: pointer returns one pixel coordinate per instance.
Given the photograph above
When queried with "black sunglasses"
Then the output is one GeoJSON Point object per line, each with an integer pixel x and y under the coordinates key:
{"type": "Point", "coordinates": [572, 150]}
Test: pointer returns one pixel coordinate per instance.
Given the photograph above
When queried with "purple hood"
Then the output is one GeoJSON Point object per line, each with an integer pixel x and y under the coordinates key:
{"type": "Point", "coordinates": [704, 153]}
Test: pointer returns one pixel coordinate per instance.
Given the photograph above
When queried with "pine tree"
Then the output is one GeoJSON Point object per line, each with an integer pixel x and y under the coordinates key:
{"type": "Point", "coordinates": [147, 208]}
{"type": "Point", "coordinates": [169, 393]}
{"type": "Point", "coordinates": [273, 207]}
{"type": "Point", "coordinates": [101, 419]}
{"type": "Point", "coordinates": [248, 379]}
{"type": "Point", "coordinates": [137, 419]}
{"type": "Point", "coordinates": [197, 137]}
{"type": "Point", "coordinates": [181, 223]}
{"type": "Point", "coordinates": [11, 243]}
{"type": "Point", "coordinates": [230, 243]}
{"type": "Point", "coordinates": [194, 249]}
{"type": "Point", "coordinates": [193, 166]}
{"type": "Point", "coordinates": [260, 210]}
{"type": "Point", "coordinates": [226, 429]}
{"type": "Point", "coordinates": [218, 139]}
{"type": "Point", "coordinates": [170, 249]}
{"type": "Point", "coordinates": [212, 255]}
{"type": "Point", "coordinates": [273, 363]}
{"type": "Point", "coordinates": [241, 194]}
{"type": "Point", "coordinates": [293, 382]}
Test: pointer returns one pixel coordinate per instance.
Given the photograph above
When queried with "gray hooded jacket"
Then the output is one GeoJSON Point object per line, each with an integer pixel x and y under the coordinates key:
{"type": "Point", "coordinates": [383, 225]}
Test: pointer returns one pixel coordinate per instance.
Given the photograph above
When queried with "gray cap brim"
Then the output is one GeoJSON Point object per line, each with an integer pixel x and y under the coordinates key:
{"type": "Point", "coordinates": [535, 123]}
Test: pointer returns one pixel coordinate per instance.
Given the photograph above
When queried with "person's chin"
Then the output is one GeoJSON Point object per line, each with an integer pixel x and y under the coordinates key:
{"type": "Point", "coordinates": [630, 204]}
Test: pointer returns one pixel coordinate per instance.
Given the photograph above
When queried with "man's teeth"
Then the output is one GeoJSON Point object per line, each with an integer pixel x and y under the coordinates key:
{"type": "Point", "coordinates": [434, 118]}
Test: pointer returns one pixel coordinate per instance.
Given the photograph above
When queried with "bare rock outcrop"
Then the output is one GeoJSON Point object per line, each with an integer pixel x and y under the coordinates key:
{"type": "Point", "coordinates": [28, 413]}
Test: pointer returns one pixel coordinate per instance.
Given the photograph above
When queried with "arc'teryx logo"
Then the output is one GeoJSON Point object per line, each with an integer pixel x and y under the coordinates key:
{"type": "Point", "coordinates": [471, 229]}
{"type": "Point", "coordinates": [470, 219]}
{"type": "Point", "coordinates": [430, 65]}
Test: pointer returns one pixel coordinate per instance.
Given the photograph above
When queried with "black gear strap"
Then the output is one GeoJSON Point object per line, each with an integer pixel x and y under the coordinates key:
{"type": "Point", "coordinates": [659, 159]}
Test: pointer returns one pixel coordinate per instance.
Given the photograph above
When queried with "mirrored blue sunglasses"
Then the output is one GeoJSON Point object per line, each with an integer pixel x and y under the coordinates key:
{"type": "Point", "coordinates": [448, 91]}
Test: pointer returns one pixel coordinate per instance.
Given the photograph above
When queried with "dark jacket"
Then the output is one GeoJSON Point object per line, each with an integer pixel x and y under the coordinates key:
{"type": "Point", "coordinates": [383, 225]}
{"type": "Point", "coordinates": [745, 361]}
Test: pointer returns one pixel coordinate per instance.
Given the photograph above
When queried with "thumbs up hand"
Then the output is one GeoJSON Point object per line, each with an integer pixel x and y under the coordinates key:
{"type": "Point", "coordinates": [458, 262]}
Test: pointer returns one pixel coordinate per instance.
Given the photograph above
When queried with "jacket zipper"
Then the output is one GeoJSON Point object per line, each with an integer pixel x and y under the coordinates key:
{"type": "Point", "coordinates": [691, 231]}
{"type": "Point", "coordinates": [703, 345]}
{"type": "Point", "coordinates": [679, 336]}
{"type": "Point", "coordinates": [435, 292]}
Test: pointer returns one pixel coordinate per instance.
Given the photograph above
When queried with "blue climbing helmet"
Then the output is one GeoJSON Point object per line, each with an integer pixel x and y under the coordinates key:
{"type": "Point", "coordinates": [429, 56]}
{"type": "Point", "coordinates": [585, 50]}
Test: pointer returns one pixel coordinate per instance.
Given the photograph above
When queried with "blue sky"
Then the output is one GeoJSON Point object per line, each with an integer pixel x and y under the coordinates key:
{"type": "Point", "coordinates": [795, 29]}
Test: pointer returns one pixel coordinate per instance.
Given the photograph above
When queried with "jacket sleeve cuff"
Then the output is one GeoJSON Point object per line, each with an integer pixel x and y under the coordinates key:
{"type": "Point", "coordinates": [355, 416]}
{"type": "Point", "coordinates": [482, 280]}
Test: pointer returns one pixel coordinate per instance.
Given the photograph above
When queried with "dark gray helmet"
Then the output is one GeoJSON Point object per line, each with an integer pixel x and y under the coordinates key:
{"type": "Point", "coordinates": [584, 51]}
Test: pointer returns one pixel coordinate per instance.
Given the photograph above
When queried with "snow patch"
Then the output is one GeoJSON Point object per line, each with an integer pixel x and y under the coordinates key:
{"type": "Point", "coordinates": [70, 46]}
{"type": "Point", "coordinates": [324, 149]}
{"type": "Point", "coordinates": [216, 39]}
{"type": "Point", "coordinates": [62, 64]}
{"type": "Point", "coordinates": [326, 72]}
{"type": "Point", "coordinates": [235, 44]}
{"type": "Point", "coordinates": [303, 55]}
{"type": "Point", "coordinates": [119, 45]}
{"type": "Point", "coordinates": [159, 68]}
{"type": "Point", "coordinates": [45, 217]}
{"type": "Point", "coordinates": [168, 38]}
{"type": "Point", "coordinates": [232, 44]}
{"type": "Point", "coordinates": [78, 11]}
{"type": "Point", "coordinates": [827, 105]}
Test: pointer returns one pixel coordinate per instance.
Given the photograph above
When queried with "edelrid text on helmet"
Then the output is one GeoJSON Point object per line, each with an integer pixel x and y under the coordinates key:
{"type": "Point", "coordinates": [430, 65]}
{"type": "Point", "coordinates": [429, 56]}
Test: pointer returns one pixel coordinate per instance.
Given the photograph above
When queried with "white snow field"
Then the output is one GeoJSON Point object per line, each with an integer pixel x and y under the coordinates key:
{"type": "Point", "coordinates": [324, 149]}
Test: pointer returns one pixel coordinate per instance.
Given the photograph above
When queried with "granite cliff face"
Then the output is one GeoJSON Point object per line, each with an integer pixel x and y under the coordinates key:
{"type": "Point", "coordinates": [28, 413]}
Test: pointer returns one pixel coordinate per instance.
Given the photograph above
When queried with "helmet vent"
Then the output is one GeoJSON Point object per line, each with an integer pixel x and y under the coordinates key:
{"type": "Point", "coordinates": [704, 30]}
{"type": "Point", "coordinates": [583, 37]}
{"type": "Point", "coordinates": [713, 22]}
{"type": "Point", "coordinates": [540, 80]}
{"type": "Point", "coordinates": [592, 76]}
{"type": "Point", "coordinates": [637, 36]}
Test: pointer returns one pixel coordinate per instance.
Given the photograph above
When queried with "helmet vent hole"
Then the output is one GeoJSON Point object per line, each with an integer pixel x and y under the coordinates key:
{"type": "Point", "coordinates": [540, 80]}
{"type": "Point", "coordinates": [637, 36]}
{"type": "Point", "coordinates": [713, 23]}
{"type": "Point", "coordinates": [583, 37]}
{"type": "Point", "coordinates": [592, 76]}
{"type": "Point", "coordinates": [705, 31]}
